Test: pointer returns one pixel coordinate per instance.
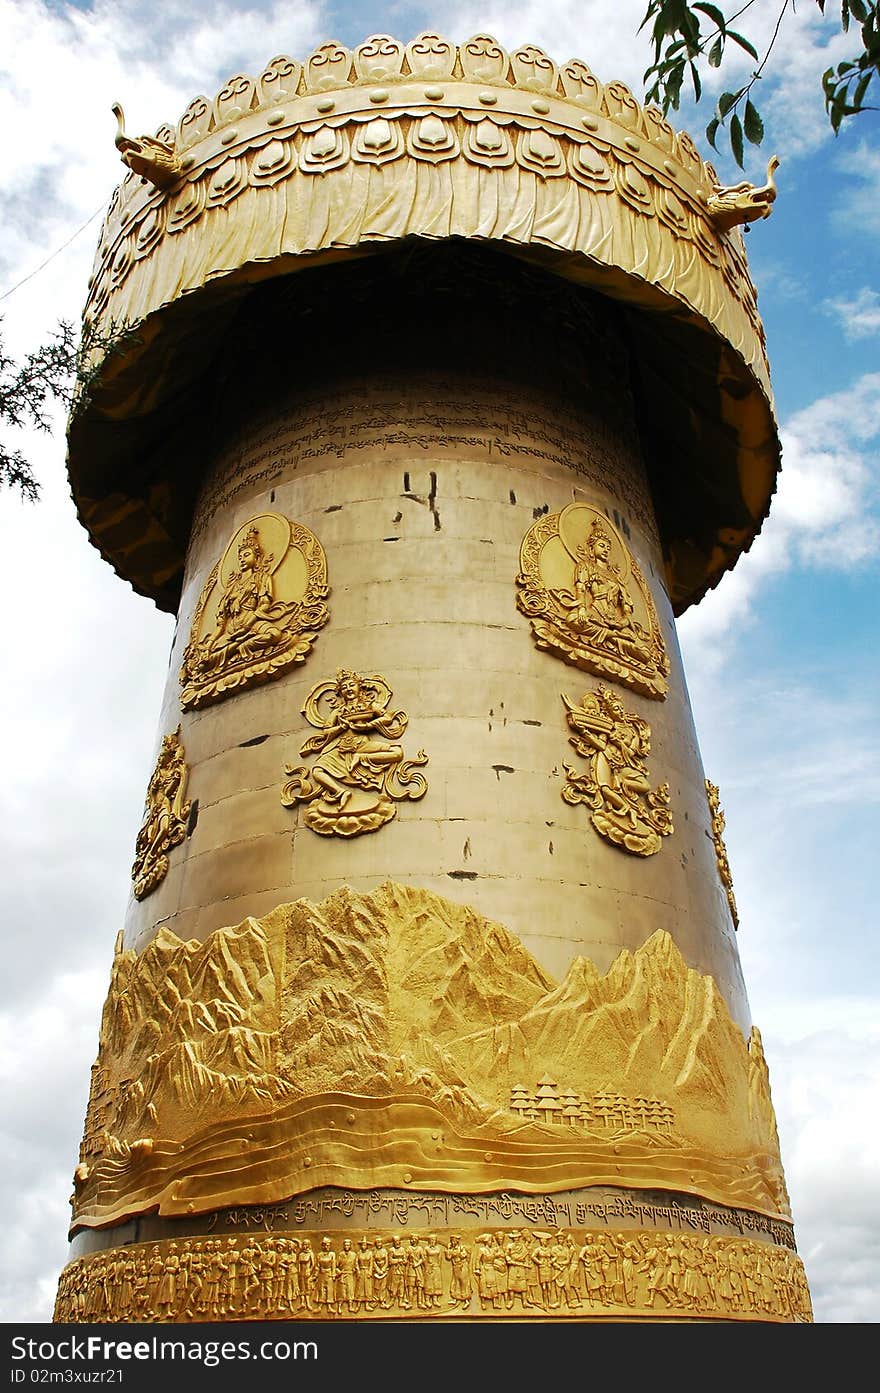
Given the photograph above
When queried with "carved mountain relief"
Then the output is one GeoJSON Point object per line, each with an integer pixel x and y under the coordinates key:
{"type": "Point", "coordinates": [374, 1037]}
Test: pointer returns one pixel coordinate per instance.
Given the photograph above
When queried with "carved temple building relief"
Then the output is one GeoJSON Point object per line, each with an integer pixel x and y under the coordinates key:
{"type": "Point", "coordinates": [605, 1111]}
{"type": "Point", "coordinates": [717, 815]}
{"type": "Point", "coordinates": [166, 815]}
{"type": "Point", "coordinates": [360, 772]}
{"type": "Point", "coordinates": [624, 809]}
{"type": "Point", "coordinates": [259, 610]}
{"type": "Point", "coordinates": [588, 600]}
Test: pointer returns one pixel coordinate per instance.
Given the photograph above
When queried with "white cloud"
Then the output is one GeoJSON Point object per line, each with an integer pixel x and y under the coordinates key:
{"type": "Point", "coordinates": [824, 512]}
{"type": "Point", "coordinates": [859, 316]}
{"type": "Point", "coordinates": [825, 1091]}
{"type": "Point", "coordinates": [46, 1049]}
{"type": "Point", "coordinates": [858, 212]}
{"type": "Point", "coordinates": [61, 69]}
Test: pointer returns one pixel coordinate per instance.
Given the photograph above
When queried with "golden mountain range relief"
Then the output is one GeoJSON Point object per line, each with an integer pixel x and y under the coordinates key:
{"type": "Point", "coordinates": [389, 1040]}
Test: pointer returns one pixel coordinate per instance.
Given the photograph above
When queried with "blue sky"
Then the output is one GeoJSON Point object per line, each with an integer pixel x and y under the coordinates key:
{"type": "Point", "coordinates": [782, 659]}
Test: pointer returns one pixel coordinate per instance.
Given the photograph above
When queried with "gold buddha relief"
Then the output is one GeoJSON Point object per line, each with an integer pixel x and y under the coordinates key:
{"type": "Point", "coordinates": [258, 612]}
{"type": "Point", "coordinates": [360, 771]}
{"type": "Point", "coordinates": [616, 743]}
{"type": "Point", "coordinates": [589, 602]}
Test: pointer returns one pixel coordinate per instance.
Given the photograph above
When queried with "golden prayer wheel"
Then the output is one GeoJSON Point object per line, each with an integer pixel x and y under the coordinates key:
{"type": "Point", "coordinates": [436, 389]}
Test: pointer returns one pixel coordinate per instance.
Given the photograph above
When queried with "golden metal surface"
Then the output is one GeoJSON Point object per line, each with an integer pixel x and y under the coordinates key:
{"type": "Point", "coordinates": [731, 205]}
{"type": "Point", "coordinates": [155, 160]}
{"type": "Point", "coordinates": [313, 163]}
{"type": "Point", "coordinates": [589, 602]}
{"type": "Point", "coordinates": [714, 798]}
{"type": "Point", "coordinates": [570, 170]}
{"type": "Point", "coordinates": [399, 1039]}
{"type": "Point", "coordinates": [625, 809]}
{"type": "Point", "coordinates": [375, 1274]}
{"type": "Point", "coordinates": [165, 817]}
{"type": "Point", "coordinates": [360, 772]}
{"type": "Point", "coordinates": [259, 611]}
{"type": "Point", "coordinates": [421, 487]}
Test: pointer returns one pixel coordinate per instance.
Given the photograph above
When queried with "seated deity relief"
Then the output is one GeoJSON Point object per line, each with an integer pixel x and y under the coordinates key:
{"type": "Point", "coordinates": [259, 610]}
{"type": "Point", "coordinates": [589, 602]}
{"type": "Point", "coordinates": [360, 771]}
{"type": "Point", "coordinates": [165, 817]}
{"type": "Point", "coordinates": [624, 808]}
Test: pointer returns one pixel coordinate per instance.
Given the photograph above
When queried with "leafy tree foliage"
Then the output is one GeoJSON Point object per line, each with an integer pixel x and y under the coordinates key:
{"type": "Point", "coordinates": [685, 37]}
{"type": "Point", "coordinates": [59, 370]}
{"type": "Point", "coordinates": [27, 390]}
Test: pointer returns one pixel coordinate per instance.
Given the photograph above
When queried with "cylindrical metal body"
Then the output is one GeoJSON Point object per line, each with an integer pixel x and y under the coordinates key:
{"type": "Point", "coordinates": [428, 999]}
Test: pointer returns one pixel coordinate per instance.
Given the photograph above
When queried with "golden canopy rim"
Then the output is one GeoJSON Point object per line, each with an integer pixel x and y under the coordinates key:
{"type": "Point", "coordinates": [357, 154]}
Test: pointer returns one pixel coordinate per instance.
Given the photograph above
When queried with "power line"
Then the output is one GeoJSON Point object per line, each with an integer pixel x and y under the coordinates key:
{"type": "Point", "coordinates": [56, 252]}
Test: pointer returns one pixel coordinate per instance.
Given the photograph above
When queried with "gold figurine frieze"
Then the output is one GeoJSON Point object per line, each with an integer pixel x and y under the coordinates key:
{"type": "Point", "coordinates": [624, 809]}
{"type": "Point", "coordinates": [166, 816]}
{"type": "Point", "coordinates": [372, 1274]}
{"type": "Point", "coordinates": [360, 771]}
{"type": "Point", "coordinates": [588, 600]}
{"type": "Point", "coordinates": [259, 610]}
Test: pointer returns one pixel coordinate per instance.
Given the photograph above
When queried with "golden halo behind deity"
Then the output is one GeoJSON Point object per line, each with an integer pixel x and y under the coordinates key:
{"type": "Point", "coordinates": [273, 532]}
{"type": "Point", "coordinates": [575, 525]}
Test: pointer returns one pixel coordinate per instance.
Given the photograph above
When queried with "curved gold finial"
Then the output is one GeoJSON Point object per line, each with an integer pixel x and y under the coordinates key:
{"type": "Point", "coordinates": [154, 159]}
{"type": "Point", "coordinates": [121, 137]}
{"type": "Point", "coordinates": [734, 204]}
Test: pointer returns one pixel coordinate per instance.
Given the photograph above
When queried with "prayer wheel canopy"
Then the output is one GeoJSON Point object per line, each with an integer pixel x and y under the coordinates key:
{"type": "Point", "coordinates": [363, 162]}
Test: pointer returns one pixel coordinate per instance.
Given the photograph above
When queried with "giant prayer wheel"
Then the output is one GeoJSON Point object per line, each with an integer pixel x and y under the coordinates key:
{"type": "Point", "coordinates": [428, 389]}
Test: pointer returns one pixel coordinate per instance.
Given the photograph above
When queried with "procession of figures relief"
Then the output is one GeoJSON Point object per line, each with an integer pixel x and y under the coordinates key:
{"type": "Point", "coordinates": [508, 1271]}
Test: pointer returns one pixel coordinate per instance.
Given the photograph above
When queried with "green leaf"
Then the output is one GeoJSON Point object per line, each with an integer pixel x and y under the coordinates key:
{"type": "Point", "coordinates": [714, 14]}
{"type": "Point", "coordinates": [712, 132]}
{"type": "Point", "coordinates": [859, 95]}
{"type": "Point", "coordinates": [736, 139]}
{"type": "Point", "coordinates": [726, 101]}
{"type": "Point", "coordinates": [673, 87]}
{"type": "Point", "coordinates": [695, 79]}
{"type": "Point", "coordinates": [743, 43]}
{"type": "Point", "coordinates": [715, 53]}
{"type": "Point", "coordinates": [752, 124]}
{"type": "Point", "coordinates": [690, 27]}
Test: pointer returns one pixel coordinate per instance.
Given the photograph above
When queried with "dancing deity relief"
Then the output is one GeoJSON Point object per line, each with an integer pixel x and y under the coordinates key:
{"type": "Point", "coordinates": [588, 600]}
{"type": "Point", "coordinates": [717, 812]}
{"type": "Point", "coordinates": [165, 817]}
{"type": "Point", "coordinates": [360, 771]}
{"type": "Point", "coordinates": [616, 788]}
{"type": "Point", "coordinates": [258, 612]}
